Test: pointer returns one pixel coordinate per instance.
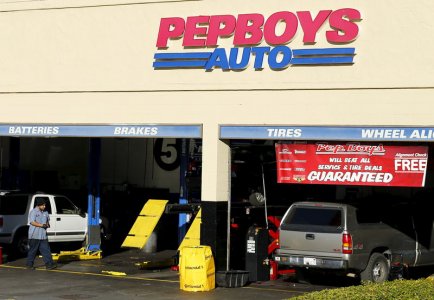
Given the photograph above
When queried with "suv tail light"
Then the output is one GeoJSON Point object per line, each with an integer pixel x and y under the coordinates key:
{"type": "Point", "coordinates": [347, 243]}
{"type": "Point", "coordinates": [1, 221]}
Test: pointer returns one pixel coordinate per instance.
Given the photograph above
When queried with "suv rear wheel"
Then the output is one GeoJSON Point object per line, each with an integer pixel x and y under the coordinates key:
{"type": "Point", "coordinates": [377, 269]}
{"type": "Point", "coordinates": [21, 244]}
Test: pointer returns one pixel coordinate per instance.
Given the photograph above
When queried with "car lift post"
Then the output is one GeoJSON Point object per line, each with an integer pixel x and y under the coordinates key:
{"type": "Point", "coordinates": [183, 193]}
{"type": "Point", "coordinates": [93, 211]}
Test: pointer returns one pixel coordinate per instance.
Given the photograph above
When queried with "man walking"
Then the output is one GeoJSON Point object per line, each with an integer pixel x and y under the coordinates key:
{"type": "Point", "coordinates": [39, 221]}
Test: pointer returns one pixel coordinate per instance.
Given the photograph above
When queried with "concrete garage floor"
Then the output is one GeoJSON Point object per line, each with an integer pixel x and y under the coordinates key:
{"type": "Point", "coordinates": [85, 280]}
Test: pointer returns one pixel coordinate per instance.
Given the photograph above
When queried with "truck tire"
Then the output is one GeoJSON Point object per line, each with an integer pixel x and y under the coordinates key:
{"type": "Point", "coordinates": [302, 276]}
{"type": "Point", "coordinates": [377, 269]}
{"type": "Point", "coordinates": [21, 244]}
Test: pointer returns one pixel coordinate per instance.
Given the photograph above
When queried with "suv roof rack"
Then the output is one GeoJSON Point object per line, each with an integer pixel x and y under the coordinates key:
{"type": "Point", "coordinates": [5, 192]}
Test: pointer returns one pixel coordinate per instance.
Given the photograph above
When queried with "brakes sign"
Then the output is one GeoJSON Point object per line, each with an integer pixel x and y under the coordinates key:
{"type": "Point", "coordinates": [247, 31]}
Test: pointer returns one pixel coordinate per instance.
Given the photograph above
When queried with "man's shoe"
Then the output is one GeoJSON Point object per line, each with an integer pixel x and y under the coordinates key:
{"type": "Point", "coordinates": [30, 267]}
{"type": "Point", "coordinates": [51, 267]}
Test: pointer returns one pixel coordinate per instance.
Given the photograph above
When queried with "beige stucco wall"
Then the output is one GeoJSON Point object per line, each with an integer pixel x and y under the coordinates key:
{"type": "Point", "coordinates": [111, 48]}
{"type": "Point", "coordinates": [93, 65]}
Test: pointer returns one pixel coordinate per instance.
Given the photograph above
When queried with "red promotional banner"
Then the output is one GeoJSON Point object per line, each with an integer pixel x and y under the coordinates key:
{"type": "Point", "coordinates": [351, 164]}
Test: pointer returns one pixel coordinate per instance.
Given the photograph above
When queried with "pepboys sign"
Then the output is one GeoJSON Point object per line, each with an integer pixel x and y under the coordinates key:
{"type": "Point", "coordinates": [248, 31]}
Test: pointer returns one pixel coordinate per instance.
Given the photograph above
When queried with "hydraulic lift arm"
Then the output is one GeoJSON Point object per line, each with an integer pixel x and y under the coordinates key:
{"type": "Point", "coordinates": [93, 211]}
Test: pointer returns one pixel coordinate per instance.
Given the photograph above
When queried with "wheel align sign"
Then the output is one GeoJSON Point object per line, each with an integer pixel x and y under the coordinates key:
{"type": "Point", "coordinates": [351, 164]}
{"type": "Point", "coordinates": [248, 31]}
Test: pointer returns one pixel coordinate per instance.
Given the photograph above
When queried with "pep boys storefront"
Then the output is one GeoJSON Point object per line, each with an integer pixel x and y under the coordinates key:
{"type": "Point", "coordinates": [336, 85]}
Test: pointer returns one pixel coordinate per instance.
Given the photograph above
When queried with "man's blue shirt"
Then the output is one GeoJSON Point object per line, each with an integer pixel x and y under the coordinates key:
{"type": "Point", "coordinates": [42, 217]}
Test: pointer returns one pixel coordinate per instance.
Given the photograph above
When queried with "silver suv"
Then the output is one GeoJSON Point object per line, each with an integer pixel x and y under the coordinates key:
{"type": "Point", "coordinates": [361, 241]}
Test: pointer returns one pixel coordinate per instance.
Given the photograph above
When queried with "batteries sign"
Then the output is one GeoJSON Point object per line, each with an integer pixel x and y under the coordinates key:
{"type": "Point", "coordinates": [248, 31]}
{"type": "Point", "coordinates": [351, 164]}
{"type": "Point", "coordinates": [133, 131]}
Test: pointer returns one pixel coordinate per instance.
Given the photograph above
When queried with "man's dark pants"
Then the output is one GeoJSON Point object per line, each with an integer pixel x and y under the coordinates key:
{"type": "Point", "coordinates": [43, 247]}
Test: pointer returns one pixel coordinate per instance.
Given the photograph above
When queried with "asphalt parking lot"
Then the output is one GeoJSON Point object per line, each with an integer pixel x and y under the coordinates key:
{"type": "Point", "coordinates": [87, 280]}
{"type": "Point", "coordinates": [101, 279]}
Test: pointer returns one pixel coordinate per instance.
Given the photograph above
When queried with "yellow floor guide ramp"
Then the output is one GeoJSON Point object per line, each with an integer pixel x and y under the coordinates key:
{"type": "Point", "coordinates": [145, 224]}
{"type": "Point", "coordinates": [192, 238]}
{"type": "Point", "coordinates": [80, 254]}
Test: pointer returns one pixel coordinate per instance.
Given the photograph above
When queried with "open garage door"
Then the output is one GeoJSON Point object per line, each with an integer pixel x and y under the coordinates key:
{"type": "Point", "coordinates": [108, 171]}
{"type": "Point", "coordinates": [257, 169]}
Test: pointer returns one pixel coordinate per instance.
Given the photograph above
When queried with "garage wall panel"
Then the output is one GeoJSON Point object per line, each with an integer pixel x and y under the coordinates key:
{"type": "Point", "coordinates": [403, 107]}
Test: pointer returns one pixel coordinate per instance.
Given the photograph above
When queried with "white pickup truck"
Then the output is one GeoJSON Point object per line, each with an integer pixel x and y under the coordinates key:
{"type": "Point", "coordinates": [67, 222]}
